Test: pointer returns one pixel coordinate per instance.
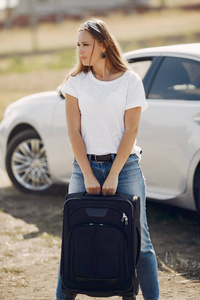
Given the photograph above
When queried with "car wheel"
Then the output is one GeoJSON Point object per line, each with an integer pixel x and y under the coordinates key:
{"type": "Point", "coordinates": [197, 188]}
{"type": "Point", "coordinates": [26, 163]}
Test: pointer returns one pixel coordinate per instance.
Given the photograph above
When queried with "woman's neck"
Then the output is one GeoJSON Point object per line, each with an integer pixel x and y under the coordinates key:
{"type": "Point", "coordinates": [102, 73]}
{"type": "Point", "coordinates": [105, 77]}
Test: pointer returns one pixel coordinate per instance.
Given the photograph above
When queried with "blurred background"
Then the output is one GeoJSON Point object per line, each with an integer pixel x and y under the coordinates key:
{"type": "Point", "coordinates": [37, 49]}
{"type": "Point", "coordinates": [38, 37]}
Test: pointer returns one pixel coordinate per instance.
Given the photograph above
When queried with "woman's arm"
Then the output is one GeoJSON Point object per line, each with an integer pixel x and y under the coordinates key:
{"type": "Point", "coordinates": [131, 123]}
{"type": "Point", "coordinates": [74, 129]}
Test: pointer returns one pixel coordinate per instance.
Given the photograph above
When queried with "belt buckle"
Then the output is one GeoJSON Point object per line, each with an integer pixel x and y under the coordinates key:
{"type": "Point", "coordinates": [95, 158]}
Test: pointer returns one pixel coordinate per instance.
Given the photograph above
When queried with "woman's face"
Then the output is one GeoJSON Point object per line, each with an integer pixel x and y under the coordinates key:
{"type": "Point", "coordinates": [89, 49]}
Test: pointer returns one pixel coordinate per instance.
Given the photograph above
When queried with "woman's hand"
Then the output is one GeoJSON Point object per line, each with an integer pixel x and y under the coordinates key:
{"type": "Point", "coordinates": [92, 185]}
{"type": "Point", "coordinates": [110, 185]}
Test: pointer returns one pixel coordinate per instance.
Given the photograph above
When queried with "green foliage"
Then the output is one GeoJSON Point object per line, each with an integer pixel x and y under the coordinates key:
{"type": "Point", "coordinates": [63, 59]}
{"type": "Point", "coordinates": [23, 64]}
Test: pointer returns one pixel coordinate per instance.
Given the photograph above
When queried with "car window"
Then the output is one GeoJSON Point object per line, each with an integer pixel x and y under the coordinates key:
{"type": "Point", "coordinates": [141, 66]}
{"type": "Point", "coordinates": [177, 78]}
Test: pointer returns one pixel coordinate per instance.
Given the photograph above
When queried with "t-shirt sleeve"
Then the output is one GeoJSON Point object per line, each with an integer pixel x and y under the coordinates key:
{"type": "Point", "coordinates": [70, 87]}
{"type": "Point", "coordinates": [136, 95]}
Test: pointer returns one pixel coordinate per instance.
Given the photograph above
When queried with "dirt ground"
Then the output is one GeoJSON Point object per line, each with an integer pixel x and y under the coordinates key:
{"type": "Point", "coordinates": [30, 241]}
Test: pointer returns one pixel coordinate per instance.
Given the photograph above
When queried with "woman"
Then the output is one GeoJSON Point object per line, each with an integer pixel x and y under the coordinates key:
{"type": "Point", "coordinates": [104, 100]}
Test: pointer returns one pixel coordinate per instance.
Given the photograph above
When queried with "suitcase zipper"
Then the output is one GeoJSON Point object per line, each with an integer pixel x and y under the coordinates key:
{"type": "Point", "coordinates": [122, 197]}
{"type": "Point", "coordinates": [124, 216]}
{"type": "Point", "coordinates": [124, 219]}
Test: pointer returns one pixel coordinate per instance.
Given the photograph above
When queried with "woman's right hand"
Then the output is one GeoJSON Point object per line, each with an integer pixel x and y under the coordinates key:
{"type": "Point", "coordinates": [92, 185]}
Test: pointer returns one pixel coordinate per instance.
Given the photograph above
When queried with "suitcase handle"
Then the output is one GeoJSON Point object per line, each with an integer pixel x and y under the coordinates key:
{"type": "Point", "coordinates": [123, 195]}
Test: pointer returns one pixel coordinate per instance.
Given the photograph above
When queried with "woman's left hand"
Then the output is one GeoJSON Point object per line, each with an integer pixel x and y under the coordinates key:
{"type": "Point", "coordinates": [110, 185]}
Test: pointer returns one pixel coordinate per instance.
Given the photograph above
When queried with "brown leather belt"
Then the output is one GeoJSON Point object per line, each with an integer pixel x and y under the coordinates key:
{"type": "Point", "coordinates": [102, 158]}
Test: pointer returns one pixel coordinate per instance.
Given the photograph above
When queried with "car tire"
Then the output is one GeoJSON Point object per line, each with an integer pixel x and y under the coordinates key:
{"type": "Point", "coordinates": [26, 163]}
{"type": "Point", "coordinates": [197, 188]}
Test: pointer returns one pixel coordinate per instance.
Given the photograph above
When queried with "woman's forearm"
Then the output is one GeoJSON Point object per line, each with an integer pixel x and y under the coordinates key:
{"type": "Point", "coordinates": [131, 119]}
{"type": "Point", "coordinates": [73, 118]}
{"type": "Point", "coordinates": [79, 150]}
{"type": "Point", "coordinates": [74, 129]}
{"type": "Point", "coordinates": [124, 151]}
{"type": "Point", "coordinates": [91, 183]}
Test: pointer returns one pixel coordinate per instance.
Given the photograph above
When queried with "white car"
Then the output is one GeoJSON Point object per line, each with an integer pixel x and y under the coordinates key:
{"type": "Point", "coordinates": [35, 148]}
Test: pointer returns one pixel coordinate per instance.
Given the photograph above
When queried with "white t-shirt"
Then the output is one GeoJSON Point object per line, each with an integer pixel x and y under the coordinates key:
{"type": "Point", "coordinates": [102, 106]}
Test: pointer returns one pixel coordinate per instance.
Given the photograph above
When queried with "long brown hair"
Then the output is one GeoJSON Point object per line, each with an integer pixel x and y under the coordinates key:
{"type": "Point", "coordinates": [101, 32]}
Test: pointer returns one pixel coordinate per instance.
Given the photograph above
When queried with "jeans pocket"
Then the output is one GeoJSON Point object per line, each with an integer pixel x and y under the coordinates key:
{"type": "Point", "coordinates": [133, 159]}
{"type": "Point", "coordinates": [76, 169]}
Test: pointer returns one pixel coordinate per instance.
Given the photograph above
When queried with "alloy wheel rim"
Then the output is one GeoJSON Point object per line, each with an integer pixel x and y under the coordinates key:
{"type": "Point", "coordinates": [29, 165]}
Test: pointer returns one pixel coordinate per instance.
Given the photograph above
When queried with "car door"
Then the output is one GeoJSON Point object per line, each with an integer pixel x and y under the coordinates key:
{"type": "Point", "coordinates": [168, 134]}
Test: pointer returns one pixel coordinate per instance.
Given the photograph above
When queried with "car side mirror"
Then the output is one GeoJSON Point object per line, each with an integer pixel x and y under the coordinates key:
{"type": "Point", "coordinates": [59, 91]}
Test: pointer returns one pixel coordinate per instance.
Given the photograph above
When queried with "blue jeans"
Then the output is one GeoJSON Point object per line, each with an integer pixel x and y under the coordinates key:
{"type": "Point", "coordinates": [131, 181]}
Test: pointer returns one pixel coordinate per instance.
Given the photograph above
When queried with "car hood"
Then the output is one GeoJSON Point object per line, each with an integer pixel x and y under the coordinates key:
{"type": "Point", "coordinates": [38, 98]}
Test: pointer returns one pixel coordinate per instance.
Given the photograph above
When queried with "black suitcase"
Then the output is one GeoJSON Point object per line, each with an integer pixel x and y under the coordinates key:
{"type": "Point", "coordinates": [100, 246]}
